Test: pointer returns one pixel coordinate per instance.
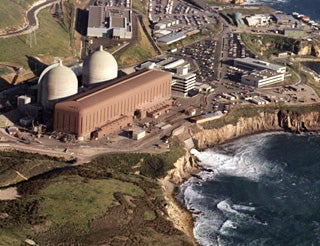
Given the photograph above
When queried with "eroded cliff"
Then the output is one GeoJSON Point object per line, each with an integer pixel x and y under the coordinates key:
{"type": "Point", "coordinates": [280, 119]}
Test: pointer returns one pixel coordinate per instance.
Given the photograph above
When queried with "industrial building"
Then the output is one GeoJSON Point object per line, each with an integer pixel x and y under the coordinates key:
{"type": "Point", "coordinates": [165, 23]}
{"type": "Point", "coordinates": [171, 38]}
{"type": "Point", "coordinates": [250, 63]}
{"type": "Point", "coordinates": [183, 80]}
{"type": "Point", "coordinates": [109, 107]}
{"type": "Point", "coordinates": [109, 22]}
{"type": "Point", "coordinates": [260, 78]}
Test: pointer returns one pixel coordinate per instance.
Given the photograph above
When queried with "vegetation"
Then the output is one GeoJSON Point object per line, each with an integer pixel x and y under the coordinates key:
{"type": "Point", "coordinates": [139, 51]}
{"type": "Point", "coordinates": [266, 45]}
{"type": "Point", "coordinates": [140, 6]}
{"type": "Point", "coordinates": [248, 111]}
{"type": "Point", "coordinates": [115, 199]}
{"type": "Point", "coordinates": [246, 12]}
{"type": "Point", "coordinates": [12, 13]}
{"type": "Point", "coordinates": [51, 40]}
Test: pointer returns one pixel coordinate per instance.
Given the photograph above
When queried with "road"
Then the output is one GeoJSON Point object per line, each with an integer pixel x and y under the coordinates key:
{"type": "Point", "coordinates": [31, 18]}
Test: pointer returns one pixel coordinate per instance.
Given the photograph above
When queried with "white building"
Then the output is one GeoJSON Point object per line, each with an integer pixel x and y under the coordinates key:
{"type": "Point", "coordinates": [163, 24]}
{"type": "Point", "coordinates": [258, 20]}
{"type": "Point", "coordinates": [250, 63]}
{"type": "Point", "coordinates": [260, 78]}
{"type": "Point", "coordinates": [183, 81]}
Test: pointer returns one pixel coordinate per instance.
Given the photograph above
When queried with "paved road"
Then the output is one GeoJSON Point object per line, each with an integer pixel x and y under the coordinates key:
{"type": "Point", "coordinates": [32, 19]}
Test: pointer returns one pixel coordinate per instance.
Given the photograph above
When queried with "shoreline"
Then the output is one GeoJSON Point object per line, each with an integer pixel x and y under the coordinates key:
{"type": "Point", "coordinates": [182, 219]}
{"type": "Point", "coordinates": [180, 216]}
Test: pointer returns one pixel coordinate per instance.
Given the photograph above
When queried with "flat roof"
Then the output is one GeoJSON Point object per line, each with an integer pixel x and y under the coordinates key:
{"type": "Point", "coordinates": [261, 74]}
{"type": "Point", "coordinates": [259, 63]}
{"type": "Point", "coordinates": [96, 15]}
{"type": "Point", "coordinates": [172, 37]}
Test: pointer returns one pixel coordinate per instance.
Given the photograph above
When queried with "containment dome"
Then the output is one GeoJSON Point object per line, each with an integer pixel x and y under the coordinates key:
{"type": "Point", "coordinates": [100, 66]}
{"type": "Point", "coordinates": [56, 82]}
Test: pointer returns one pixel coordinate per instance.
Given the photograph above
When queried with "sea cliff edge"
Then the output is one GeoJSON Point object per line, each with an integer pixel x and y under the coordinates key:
{"type": "Point", "coordinates": [295, 120]}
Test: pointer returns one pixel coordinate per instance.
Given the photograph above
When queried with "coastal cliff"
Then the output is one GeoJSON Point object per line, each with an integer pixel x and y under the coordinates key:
{"type": "Point", "coordinates": [180, 216]}
{"type": "Point", "coordinates": [294, 119]}
{"type": "Point", "coordinates": [280, 119]}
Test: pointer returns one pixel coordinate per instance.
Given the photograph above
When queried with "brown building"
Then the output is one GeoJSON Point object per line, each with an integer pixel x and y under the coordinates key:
{"type": "Point", "coordinates": [108, 108]}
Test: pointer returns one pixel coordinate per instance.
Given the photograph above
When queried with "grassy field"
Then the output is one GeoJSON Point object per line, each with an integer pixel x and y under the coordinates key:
{"type": "Point", "coordinates": [113, 200]}
{"type": "Point", "coordinates": [51, 41]}
{"type": "Point", "coordinates": [12, 13]}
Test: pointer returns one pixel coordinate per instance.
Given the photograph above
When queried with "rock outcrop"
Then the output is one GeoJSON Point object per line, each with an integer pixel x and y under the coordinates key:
{"type": "Point", "coordinates": [180, 216]}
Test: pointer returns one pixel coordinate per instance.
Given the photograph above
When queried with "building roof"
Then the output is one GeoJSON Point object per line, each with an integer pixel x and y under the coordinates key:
{"type": "Point", "coordinates": [111, 90]}
{"type": "Point", "coordinates": [96, 16]}
{"type": "Point", "coordinates": [260, 74]}
{"type": "Point", "coordinates": [171, 38]}
{"type": "Point", "coordinates": [259, 63]}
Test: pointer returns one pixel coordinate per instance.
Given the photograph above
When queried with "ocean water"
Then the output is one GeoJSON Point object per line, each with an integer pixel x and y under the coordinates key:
{"type": "Point", "coordinates": [264, 190]}
{"type": "Point", "coordinates": [310, 8]}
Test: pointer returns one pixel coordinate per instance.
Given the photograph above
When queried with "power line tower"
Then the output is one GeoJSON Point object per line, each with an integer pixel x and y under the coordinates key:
{"type": "Point", "coordinates": [31, 38]}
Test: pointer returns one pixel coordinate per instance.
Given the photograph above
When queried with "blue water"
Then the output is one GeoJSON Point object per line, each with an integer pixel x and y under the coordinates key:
{"type": "Point", "coordinates": [310, 8]}
{"type": "Point", "coordinates": [265, 190]}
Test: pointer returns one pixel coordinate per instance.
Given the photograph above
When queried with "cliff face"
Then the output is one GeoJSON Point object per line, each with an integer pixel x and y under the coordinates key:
{"type": "Point", "coordinates": [279, 120]}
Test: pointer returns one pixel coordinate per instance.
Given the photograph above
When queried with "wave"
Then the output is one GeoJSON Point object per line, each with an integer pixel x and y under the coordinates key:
{"type": "Point", "coordinates": [265, 2]}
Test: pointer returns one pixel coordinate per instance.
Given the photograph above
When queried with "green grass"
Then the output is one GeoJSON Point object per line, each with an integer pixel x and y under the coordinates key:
{"type": "Point", "coordinates": [52, 41]}
{"type": "Point", "coordinates": [87, 204]}
{"type": "Point", "coordinates": [77, 199]}
{"type": "Point", "coordinates": [28, 164]}
{"type": "Point", "coordinates": [12, 13]}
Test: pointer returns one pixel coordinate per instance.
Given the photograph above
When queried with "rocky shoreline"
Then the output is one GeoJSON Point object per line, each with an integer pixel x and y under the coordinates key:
{"type": "Point", "coordinates": [280, 120]}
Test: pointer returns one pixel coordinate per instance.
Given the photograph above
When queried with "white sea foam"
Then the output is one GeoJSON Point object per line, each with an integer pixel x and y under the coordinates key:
{"type": "Point", "coordinates": [265, 2]}
{"type": "Point", "coordinates": [239, 159]}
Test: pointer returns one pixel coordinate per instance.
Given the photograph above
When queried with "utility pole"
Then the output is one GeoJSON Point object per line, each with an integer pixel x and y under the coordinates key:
{"type": "Point", "coordinates": [31, 38]}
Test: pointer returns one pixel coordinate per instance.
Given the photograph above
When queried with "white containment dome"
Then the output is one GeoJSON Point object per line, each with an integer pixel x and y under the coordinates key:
{"type": "Point", "coordinates": [100, 66]}
{"type": "Point", "coordinates": [56, 82]}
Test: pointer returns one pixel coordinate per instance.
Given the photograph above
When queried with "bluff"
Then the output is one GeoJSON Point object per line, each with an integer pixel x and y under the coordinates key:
{"type": "Point", "coordinates": [293, 120]}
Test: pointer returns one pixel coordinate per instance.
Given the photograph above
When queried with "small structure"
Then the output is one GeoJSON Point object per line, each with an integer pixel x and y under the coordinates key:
{"type": "Point", "coordinates": [293, 32]}
{"type": "Point", "coordinates": [206, 117]}
{"type": "Point", "coordinates": [139, 134]}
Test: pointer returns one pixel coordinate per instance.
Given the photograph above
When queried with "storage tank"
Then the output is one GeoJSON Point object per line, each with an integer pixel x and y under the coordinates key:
{"type": "Point", "coordinates": [100, 66]}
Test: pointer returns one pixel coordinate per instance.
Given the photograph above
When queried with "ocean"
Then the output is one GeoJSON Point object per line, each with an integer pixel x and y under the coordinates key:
{"type": "Point", "coordinates": [310, 8]}
{"type": "Point", "coordinates": [264, 190]}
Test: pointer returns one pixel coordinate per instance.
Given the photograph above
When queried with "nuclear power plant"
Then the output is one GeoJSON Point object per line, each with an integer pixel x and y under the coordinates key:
{"type": "Point", "coordinates": [105, 103]}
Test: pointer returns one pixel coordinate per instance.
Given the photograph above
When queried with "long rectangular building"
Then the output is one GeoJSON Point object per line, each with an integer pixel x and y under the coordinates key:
{"type": "Point", "coordinates": [250, 63]}
{"type": "Point", "coordinates": [110, 107]}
